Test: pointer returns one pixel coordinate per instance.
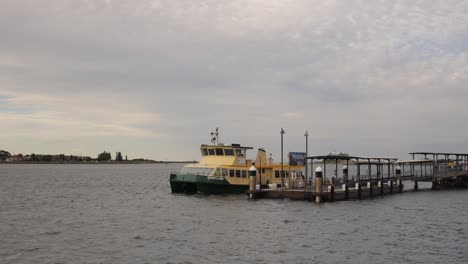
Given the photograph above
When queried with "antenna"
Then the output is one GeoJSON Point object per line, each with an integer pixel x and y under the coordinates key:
{"type": "Point", "coordinates": [215, 137]}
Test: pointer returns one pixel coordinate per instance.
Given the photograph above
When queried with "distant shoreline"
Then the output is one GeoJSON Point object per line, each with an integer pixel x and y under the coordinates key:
{"type": "Point", "coordinates": [99, 163]}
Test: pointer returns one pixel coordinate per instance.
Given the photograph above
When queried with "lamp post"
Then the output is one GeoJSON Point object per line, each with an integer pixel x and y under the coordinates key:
{"type": "Point", "coordinates": [282, 165]}
{"type": "Point", "coordinates": [307, 154]}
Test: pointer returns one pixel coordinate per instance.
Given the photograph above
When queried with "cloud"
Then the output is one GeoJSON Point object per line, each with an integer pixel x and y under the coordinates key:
{"type": "Point", "coordinates": [165, 72]}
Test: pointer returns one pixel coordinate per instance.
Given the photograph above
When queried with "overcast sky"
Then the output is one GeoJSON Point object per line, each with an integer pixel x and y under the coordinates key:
{"type": "Point", "coordinates": [152, 78]}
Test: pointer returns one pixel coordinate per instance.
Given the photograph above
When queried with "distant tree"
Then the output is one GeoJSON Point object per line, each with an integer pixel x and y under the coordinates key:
{"type": "Point", "coordinates": [33, 157]}
{"type": "Point", "coordinates": [47, 158]}
{"type": "Point", "coordinates": [118, 156]}
{"type": "Point", "coordinates": [4, 155]}
{"type": "Point", "coordinates": [104, 156]}
{"type": "Point", "coordinates": [126, 159]}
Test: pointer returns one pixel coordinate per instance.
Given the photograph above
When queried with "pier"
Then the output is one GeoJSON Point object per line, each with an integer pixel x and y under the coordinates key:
{"type": "Point", "coordinates": [343, 177]}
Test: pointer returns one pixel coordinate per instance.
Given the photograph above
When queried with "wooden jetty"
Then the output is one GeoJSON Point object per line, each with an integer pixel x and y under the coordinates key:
{"type": "Point", "coordinates": [364, 177]}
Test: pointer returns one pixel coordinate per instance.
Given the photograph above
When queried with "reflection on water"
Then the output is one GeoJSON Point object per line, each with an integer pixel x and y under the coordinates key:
{"type": "Point", "coordinates": [126, 214]}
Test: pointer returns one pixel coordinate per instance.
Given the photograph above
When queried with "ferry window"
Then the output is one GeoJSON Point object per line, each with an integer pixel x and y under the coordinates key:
{"type": "Point", "coordinates": [204, 152]}
{"type": "Point", "coordinates": [238, 152]}
{"type": "Point", "coordinates": [263, 170]}
{"type": "Point", "coordinates": [211, 152]}
{"type": "Point", "coordinates": [228, 152]}
{"type": "Point", "coordinates": [277, 174]}
{"type": "Point", "coordinates": [238, 173]}
{"type": "Point", "coordinates": [231, 173]}
{"type": "Point", "coordinates": [224, 172]}
{"type": "Point", "coordinates": [206, 171]}
{"type": "Point", "coordinates": [219, 152]}
{"type": "Point", "coordinates": [198, 171]}
{"type": "Point", "coordinates": [244, 174]}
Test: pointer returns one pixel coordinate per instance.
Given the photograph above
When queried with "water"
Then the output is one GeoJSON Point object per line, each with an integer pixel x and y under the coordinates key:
{"type": "Point", "coordinates": [126, 214]}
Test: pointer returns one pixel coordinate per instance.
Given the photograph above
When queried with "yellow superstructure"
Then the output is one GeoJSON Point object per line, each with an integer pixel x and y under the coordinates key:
{"type": "Point", "coordinates": [229, 162]}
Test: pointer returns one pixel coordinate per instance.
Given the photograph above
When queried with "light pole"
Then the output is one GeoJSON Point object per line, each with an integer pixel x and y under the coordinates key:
{"type": "Point", "coordinates": [282, 166]}
{"type": "Point", "coordinates": [307, 154]}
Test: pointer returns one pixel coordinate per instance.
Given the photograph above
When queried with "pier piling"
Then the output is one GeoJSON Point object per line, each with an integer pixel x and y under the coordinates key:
{"type": "Point", "coordinates": [359, 190]}
{"type": "Point", "coordinates": [346, 190]}
{"type": "Point", "coordinates": [398, 176]}
{"type": "Point", "coordinates": [332, 193]}
{"type": "Point", "coordinates": [318, 184]}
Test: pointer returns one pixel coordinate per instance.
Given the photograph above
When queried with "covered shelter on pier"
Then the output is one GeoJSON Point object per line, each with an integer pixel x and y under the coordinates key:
{"type": "Point", "coordinates": [381, 165]}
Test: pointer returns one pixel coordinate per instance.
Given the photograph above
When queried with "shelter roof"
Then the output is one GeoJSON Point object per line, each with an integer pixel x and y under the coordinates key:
{"type": "Point", "coordinates": [346, 157]}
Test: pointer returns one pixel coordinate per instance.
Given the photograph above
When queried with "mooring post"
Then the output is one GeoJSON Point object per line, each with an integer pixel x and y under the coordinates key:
{"type": "Point", "coordinates": [369, 186]}
{"type": "Point", "coordinates": [358, 187]}
{"type": "Point", "coordinates": [346, 190]}
{"type": "Point", "coordinates": [381, 187]}
{"type": "Point", "coordinates": [252, 181]}
{"type": "Point", "coordinates": [391, 185]}
{"type": "Point", "coordinates": [318, 184]}
{"type": "Point", "coordinates": [415, 185]}
{"type": "Point", "coordinates": [398, 176]}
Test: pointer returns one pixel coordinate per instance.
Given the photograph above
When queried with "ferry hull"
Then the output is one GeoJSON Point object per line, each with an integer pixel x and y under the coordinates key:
{"type": "Point", "coordinates": [184, 183]}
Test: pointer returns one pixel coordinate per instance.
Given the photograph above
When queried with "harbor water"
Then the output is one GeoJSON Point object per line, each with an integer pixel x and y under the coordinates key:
{"type": "Point", "coordinates": [127, 214]}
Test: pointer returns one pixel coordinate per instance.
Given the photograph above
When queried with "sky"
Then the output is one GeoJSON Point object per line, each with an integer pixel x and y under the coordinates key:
{"type": "Point", "coordinates": [151, 78]}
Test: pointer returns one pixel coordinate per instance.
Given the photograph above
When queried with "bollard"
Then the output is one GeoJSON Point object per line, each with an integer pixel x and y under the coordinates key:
{"type": "Point", "coordinates": [398, 176]}
{"type": "Point", "coordinates": [434, 185]}
{"type": "Point", "coordinates": [318, 184]}
{"type": "Point", "coordinates": [346, 190]}
{"type": "Point", "coordinates": [252, 181]}
{"type": "Point", "coordinates": [345, 174]}
{"type": "Point", "coordinates": [331, 190]}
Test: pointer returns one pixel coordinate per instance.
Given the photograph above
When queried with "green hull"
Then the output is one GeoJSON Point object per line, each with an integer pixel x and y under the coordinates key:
{"type": "Point", "coordinates": [187, 183]}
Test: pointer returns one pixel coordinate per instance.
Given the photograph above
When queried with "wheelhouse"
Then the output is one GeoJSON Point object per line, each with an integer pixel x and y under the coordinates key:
{"type": "Point", "coordinates": [234, 150]}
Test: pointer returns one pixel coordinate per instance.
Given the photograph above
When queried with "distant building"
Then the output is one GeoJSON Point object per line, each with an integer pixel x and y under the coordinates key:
{"type": "Point", "coordinates": [16, 158]}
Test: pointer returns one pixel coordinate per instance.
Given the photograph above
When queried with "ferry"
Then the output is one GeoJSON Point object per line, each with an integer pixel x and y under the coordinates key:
{"type": "Point", "coordinates": [223, 168]}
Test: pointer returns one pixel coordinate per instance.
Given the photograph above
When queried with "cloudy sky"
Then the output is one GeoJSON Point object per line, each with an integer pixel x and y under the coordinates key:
{"type": "Point", "coordinates": [151, 78]}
